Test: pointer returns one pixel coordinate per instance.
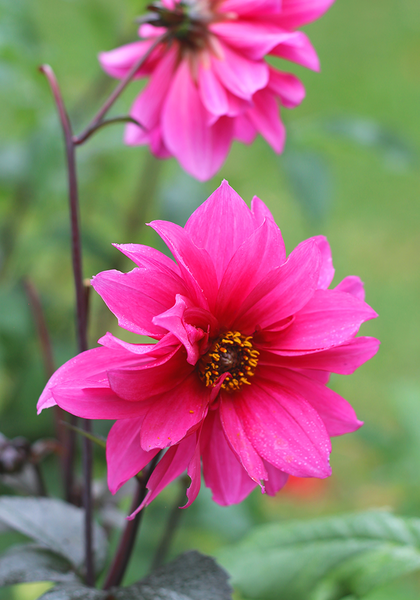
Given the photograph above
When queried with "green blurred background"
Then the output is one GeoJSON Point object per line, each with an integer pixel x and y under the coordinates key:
{"type": "Point", "coordinates": [350, 171]}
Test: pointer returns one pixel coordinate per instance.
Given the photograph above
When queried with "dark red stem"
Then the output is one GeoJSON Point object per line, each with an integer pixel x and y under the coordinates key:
{"type": "Point", "coordinates": [126, 545]}
{"type": "Point", "coordinates": [80, 302]}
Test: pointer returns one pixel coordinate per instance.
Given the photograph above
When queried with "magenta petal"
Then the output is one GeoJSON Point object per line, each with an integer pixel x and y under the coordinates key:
{"type": "Point", "coordinates": [244, 131]}
{"type": "Point", "coordinates": [124, 455]}
{"type": "Point", "coordinates": [284, 429]}
{"type": "Point", "coordinates": [155, 377]}
{"type": "Point", "coordinates": [97, 402]}
{"type": "Point", "coordinates": [172, 465]}
{"type": "Point", "coordinates": [295, 13]}
{"type": "Point", "coordinates": [299, 50]}
{"type": "Point", "coordinates": [326, 274]}
{"type": "Point", "coordinates": [173, 414]}
{"type": "Point", "coordinates": [257, 256]}
{"type": "Point", "coordinates": [254, 39]}
{"type": "Point", "coordinates": [287, 87]}
{"type": "Point", "coordinates": [329, 319]}
{"type": "Point", "coordinates": [87, 367]}
{"type": "Point", "coordinates": [265, 116]}
{"type": "Point", "coordinates": [285, 290]}
{"type": "Point", "coordinates": [352, 285]}
{"type": "Point", "coordinates": [200, 148]}
{"type": "Point", "coordinates": [136, 297]}
{"type": "Point", "coordinates": [241, 76]}
{"type": "Point", "coordinates": [147, 106]}
{"type": "Point", "coordinates": [255, 8]}
{"type": "Point", "coordinates": [212, 93]}
{"type": "Point", "coordinates": [276, 479]}
{"type": "Point", "coordinates": [237, 438]}
{"type": "Point", "coordinates": [195, 264]}
{"type": "Point", "coordinates": [118, 62]}
{"type": "Point", "coordinates": [174, 321]}
{"type": "Point", "coordinates": [223, 473]}
{"type": "Point", "coordinates": [194, 473]}
{"type": "Point", "coordinates": [147, 257]}
{"type": "Point", "coordinates": [227, 214]}
{"type": "Point", "coordinates": [336, 413]}
{"type": "Point", "coordinates": [343, 359]}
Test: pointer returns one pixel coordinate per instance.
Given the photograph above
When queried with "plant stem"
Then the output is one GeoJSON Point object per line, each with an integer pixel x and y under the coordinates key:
{"type": "Point", "coordinates": [171, 526]}
{"type": "Point", "coordinates": [98, 118]}
{"type": "Point", "coordinates": [80, 302]}
{"type": "Point", "coordinates": [126, 545]}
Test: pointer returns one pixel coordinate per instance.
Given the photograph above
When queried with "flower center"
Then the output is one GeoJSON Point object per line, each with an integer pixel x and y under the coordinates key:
{"type": "Point", "coordinates": [187, 21]}
{"type": "Point", "coordinates": [231, 353]}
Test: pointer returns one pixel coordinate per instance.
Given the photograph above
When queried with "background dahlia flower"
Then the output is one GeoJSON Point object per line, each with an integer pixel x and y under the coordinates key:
{"type": "Point", "coordinates": [209, 83]}
{"type": "Point", "coordinates": [245, 341]}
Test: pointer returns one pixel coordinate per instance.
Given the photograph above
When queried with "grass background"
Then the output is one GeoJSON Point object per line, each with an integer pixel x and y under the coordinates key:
{"type": "Point", "coordinates": [350, 171]}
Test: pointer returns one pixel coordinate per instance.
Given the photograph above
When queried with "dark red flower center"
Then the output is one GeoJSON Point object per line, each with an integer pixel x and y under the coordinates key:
{"type": "Point", "coordinates": [187, 21]}
{"type": "Point", "coordinates": [231, 353]}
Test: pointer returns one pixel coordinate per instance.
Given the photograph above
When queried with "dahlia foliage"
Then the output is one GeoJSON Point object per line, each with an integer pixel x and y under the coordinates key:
{"type": "Point", "coordinates": [245, 342]}
{"type": "Point", "coordinates": [208, 81]}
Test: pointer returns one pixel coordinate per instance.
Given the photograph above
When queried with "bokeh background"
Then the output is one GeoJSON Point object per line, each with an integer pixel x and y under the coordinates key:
{"type": "Point", "coordinates": [350, 171]}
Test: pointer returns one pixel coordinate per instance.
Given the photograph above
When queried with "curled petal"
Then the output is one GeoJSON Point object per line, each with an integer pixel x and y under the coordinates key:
{"type": "Point", "coordinates": [352, 285]}
{"type": "Point", "coordinates": [298, 49]}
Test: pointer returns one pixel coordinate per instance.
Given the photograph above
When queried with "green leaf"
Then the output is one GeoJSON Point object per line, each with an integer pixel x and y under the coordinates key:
{"type": "Point", "coordinates": [75, 592]}
{"type": "Point", "coordinates": [324, 559]}
{"type": "Point", "coordinates": [310, 178]}
{"type": "Point", "coordinates": [56, 525]}
{"type": "Point", "coordinates": [26, 563]}
{"type": "Point", "coordinates": [191, 576]}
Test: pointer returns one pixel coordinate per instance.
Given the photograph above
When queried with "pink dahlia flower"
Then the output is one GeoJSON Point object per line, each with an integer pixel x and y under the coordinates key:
{"type": "Point", "coordinates": [245, 341]}
{"type": "Point", "coordinates": [208, 81]}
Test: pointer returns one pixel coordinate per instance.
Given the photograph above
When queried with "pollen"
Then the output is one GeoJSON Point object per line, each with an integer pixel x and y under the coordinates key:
{"type": "Point", "coordinates": [234, 354]}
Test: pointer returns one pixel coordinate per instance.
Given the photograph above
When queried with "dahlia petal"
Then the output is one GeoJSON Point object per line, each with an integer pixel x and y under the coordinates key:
{"type": "Point", "coordinates": [295, 13]}
{"type": "Point", "coordinates": [97, 402]}
{"type": "Point", "coordinates": [174, 321]}
{"type": "Point", "coordinates": [336, 413]}
{"type": "Point", "coordinates": [153, 378]}
{"type": "Point", "coordinates": [287, 87]}
{"type": "Point", "coordinates": [172, 465]}
{"type": "Point", "coordinates": [237, 106]}
{"type": "Point", "coordinates": [257, 256]}
{"type": "Point", "coordinates": [194, 473]}
{"type": "Point", "coordinates": [89, 366]}
{"type": "Point", "coordinates": [212, 93]}
{"type": "Point", "coordinates": [254, 39]}
{"type": "Point", "coordinates": [244, 131]}
{"type": "Point", "coordinates": [223, 473]}
{"type": "Point", "coordinates": [329, 319]}
{"type": "Point", "coordinates": [352, 285]}
{"type": "Point", "coordinates": [298, 49]}
{"type": "Point", "coordinates": [344, 359]}
{"type": "Point", "coordinates": [265, 116]}
{"type": "Point", "coordinates": [326, 274]}
{"type": "Point", "coordinates": [227, 214]}
{"type": "Point", "coordinates": [255, 8]}
{"type": "Point", "coordinates": [172, 416]}
{"type": "Point", "coordinates": [164, 346]}
{"type": "Point", "coordinates": [241, 76]}
{"type": "Point", "coordinates": [261, 213]}
{"type": "Point", "coordinates": [124, 455]}
{"type": "Point", "coordinates": [136, 297]}
{"type": "Point", "coordinates": [276, 479]}
{"type": "Point", "coordinates": [117, 63]}
{"type": "Point", "coordinates": [200, 149]}
{"type": "Point", "coordinates": [147, 106]}
{"type": "Point", "coordinates": [235, 434]}
{"type": "Point", "coordinates": [145, 256]}
{"type": "Point", "coordinates": [284, 429]}
{"type": "Point", "coordinates": [284, 291]}
{"type": "Point", "coordinates": [194, 263]}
